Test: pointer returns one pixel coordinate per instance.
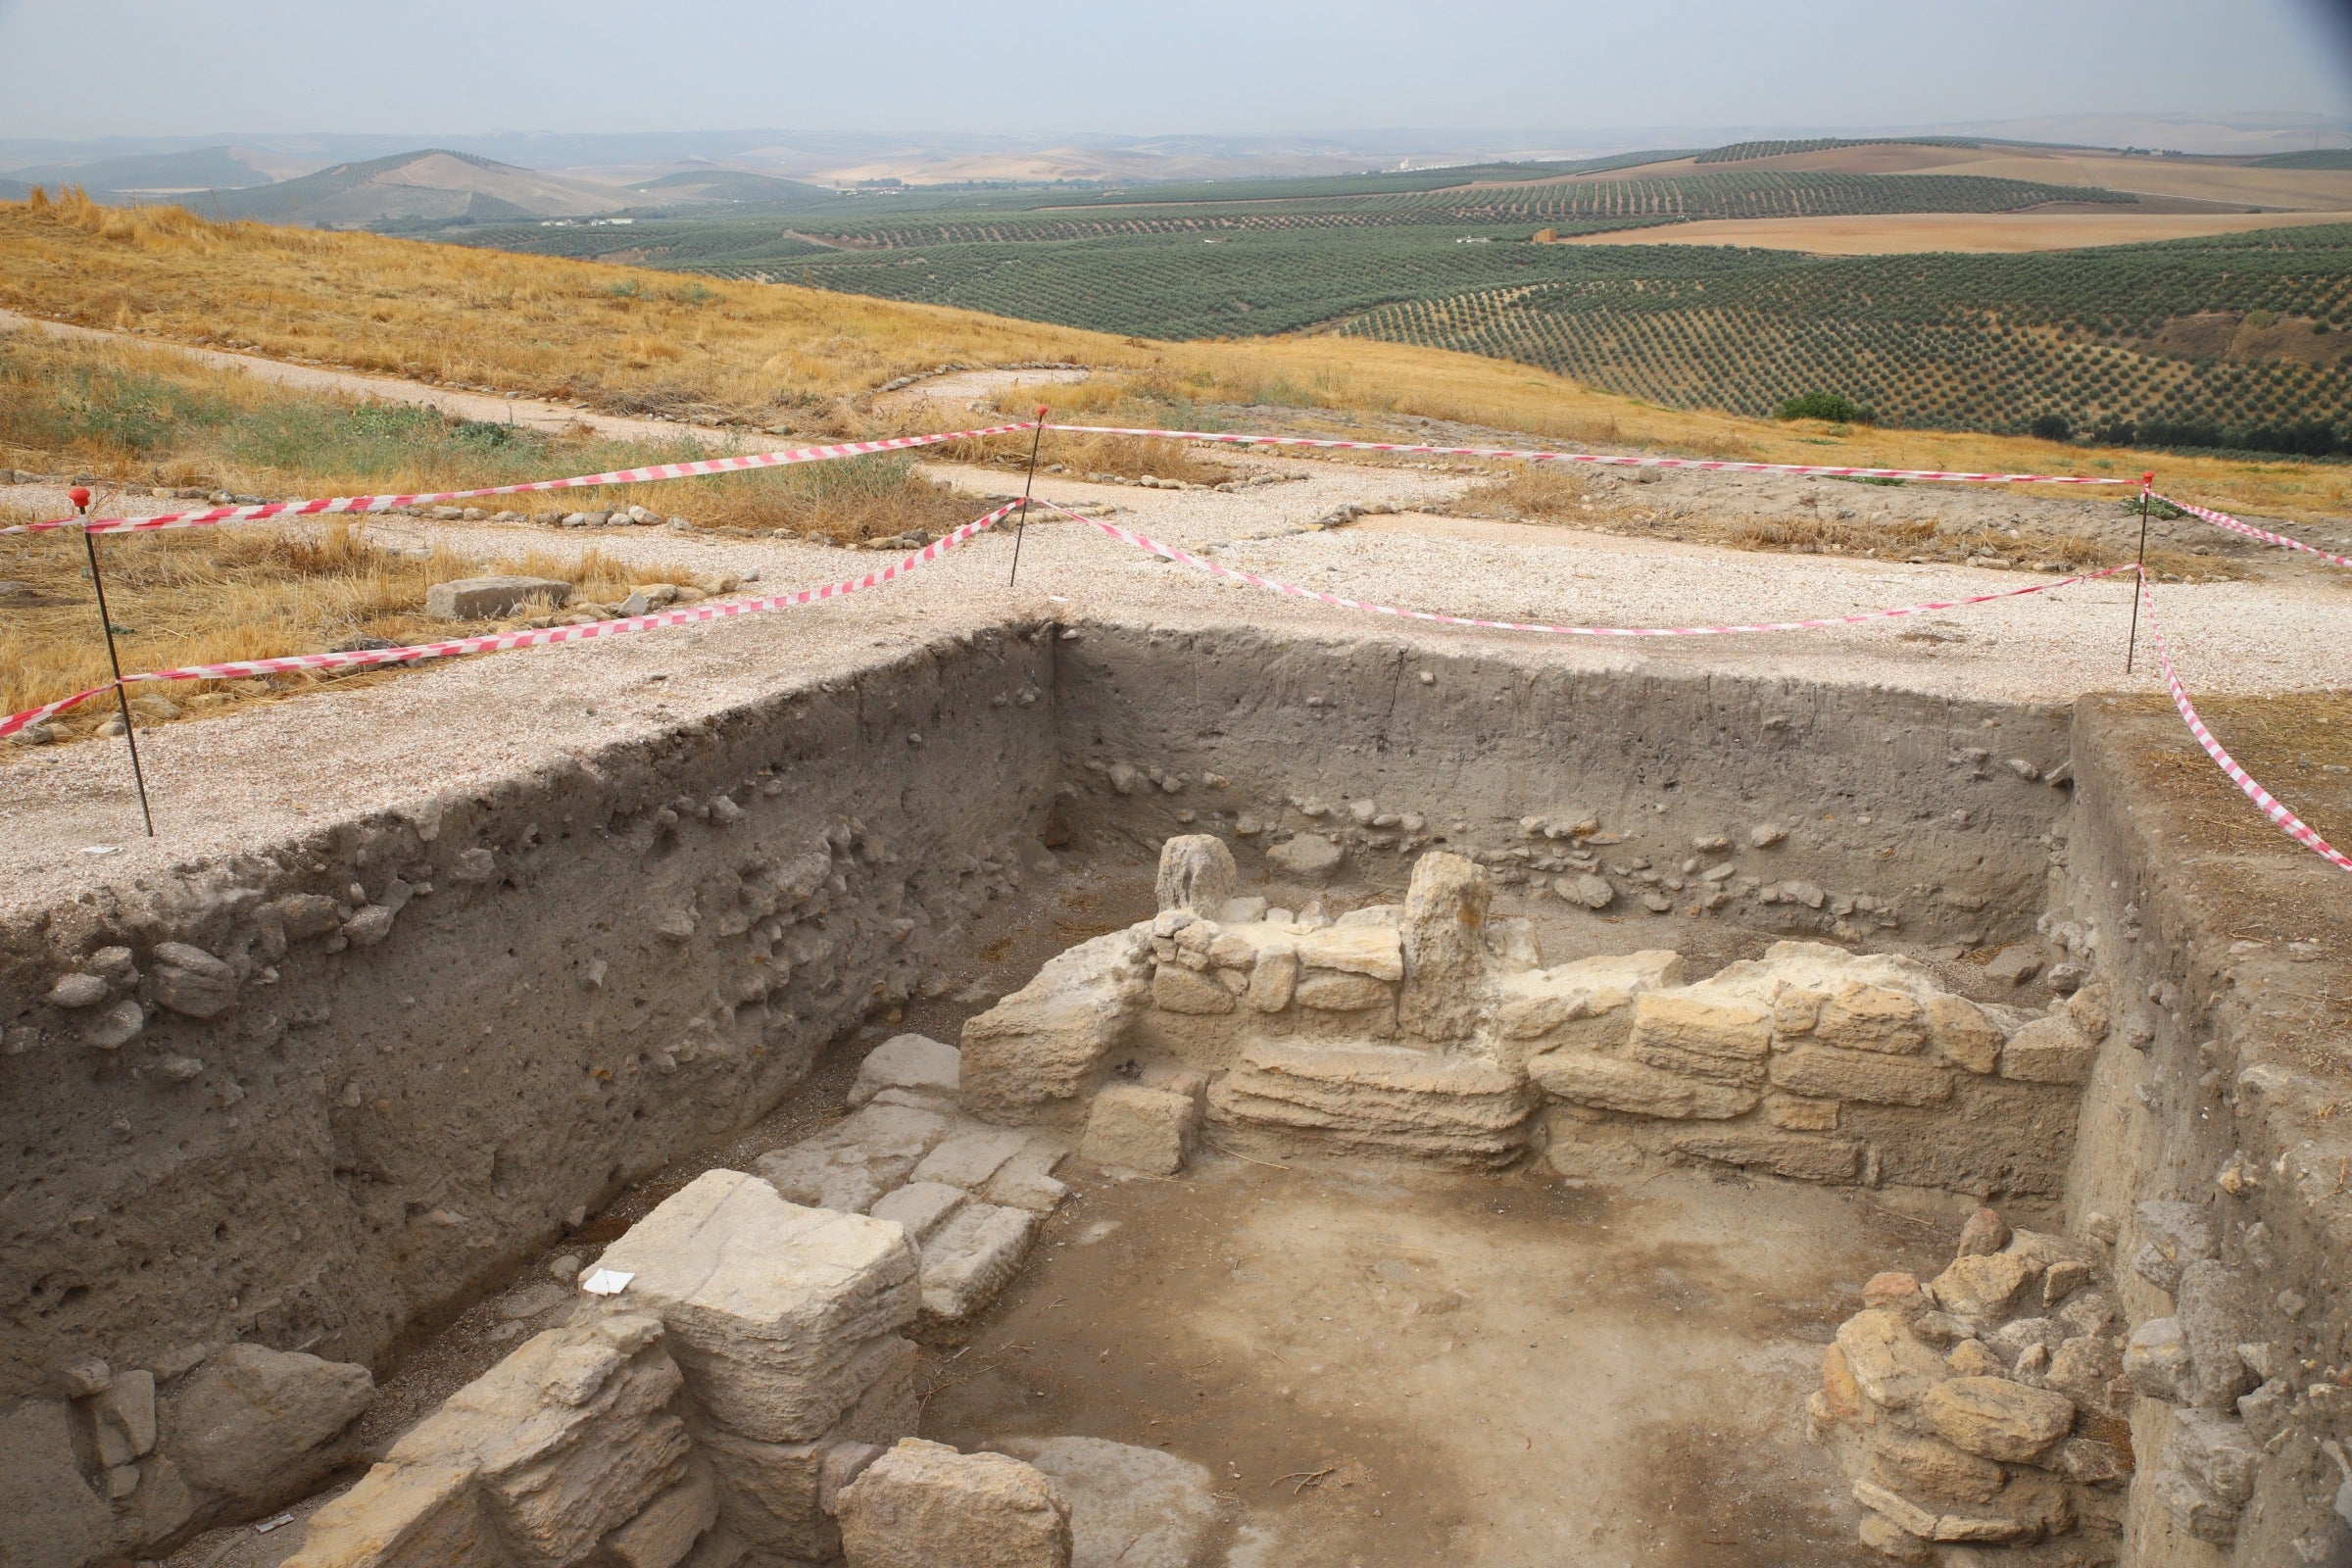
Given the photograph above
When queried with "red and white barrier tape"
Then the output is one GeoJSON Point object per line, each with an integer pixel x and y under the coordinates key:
{"type": "Point", "coordinates": [499, 642]}
{"type": "Point", "coordinates": [339, 505]}
{"type": "Point", "coordinates": [1174, 553]}
{"type": "Point", "coordinates": [1606, 460]}
{"type": "Point", "coordinates": [2294, 826]}
{"type": "Point", "coordinates": [2222, 519]}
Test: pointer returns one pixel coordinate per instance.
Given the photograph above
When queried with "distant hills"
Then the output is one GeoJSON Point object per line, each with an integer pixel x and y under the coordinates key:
{"type": "Point", "coordinates": [431, 185]}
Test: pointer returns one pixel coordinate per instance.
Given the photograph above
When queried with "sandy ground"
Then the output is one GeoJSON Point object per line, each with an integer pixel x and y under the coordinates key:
{"type": "Point", "coordinates": [1387, 1367]}
{"type": "Point", "coordinates": [1905, 232]}
{"type": "Point", "coordinates": [966, 389]}
{"type": "Point", "coordinates": [67, 817]}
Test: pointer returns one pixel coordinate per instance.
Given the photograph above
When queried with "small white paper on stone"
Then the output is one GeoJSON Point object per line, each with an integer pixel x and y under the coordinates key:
{"type": "Point", "coordinates": [607, 1282]}
{"type": "Point", "coordinates": [279, 1523]}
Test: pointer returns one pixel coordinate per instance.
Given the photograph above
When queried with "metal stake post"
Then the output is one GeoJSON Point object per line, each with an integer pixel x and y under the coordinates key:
{"type": "Point", "coordinates": [1022, 526]}
{"type": "Point", "coordinates": [82, 503]}
{"type": "Point", "coordinates": [2147, 483]}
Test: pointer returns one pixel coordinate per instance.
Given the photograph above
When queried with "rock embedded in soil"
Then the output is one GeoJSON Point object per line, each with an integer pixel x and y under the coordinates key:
{"type": "Point", "coordinates": [924, 1505]}
{"type": "Point", "coordinates": [493, 598]}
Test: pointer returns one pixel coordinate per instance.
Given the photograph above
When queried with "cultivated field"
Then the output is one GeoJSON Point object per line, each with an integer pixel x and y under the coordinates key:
{"type": "Point", "coordinates": [777, 359]}
{"type": "Point", "coordinates": [1902, 233]}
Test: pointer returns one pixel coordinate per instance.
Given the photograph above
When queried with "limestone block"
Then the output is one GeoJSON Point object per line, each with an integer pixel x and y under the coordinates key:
{"type": "Point", "coordinates": [258, 1425]}
{"type": "Point", "coordinates": [1026, 1180]}
{"type": "Point", "coordinates": [490, 598]}
{"type": "Point", "coordinates": [2082, 1367]}
{"type": "Point", "coordinates": [568, 1438]}
{"type": "Point", "coordinates": [1795, 1012]}
{"type": "Point", "coordinates": [770, 1305]}
{"type": "Point", "coordinates": [1861, 1016]}
{"type": "Point", "coordinates": [2216, 1310]}
{"type": "Point", "coordinates": [2218, 1452]}
{"type": "Point", "coordinates": [1907, 1460]}
{"type": "Point", "coordinates": [1997, 1419]}
{"type": "Point", "coordinates": [1981, 1288]}
{"type": "Point", "coordinates": [1536, 1006]}
{"type": "Point", "coordinates": [774, 1495]}
{"type": "Point", "coordinates": [1790, 1154]}
{"type": "Point", "coordinates": [908, 1063]}
{"type": "Point", "coordinates": [2156, 1359]}
{"type": "Point", "coordinates": [1048, 1041]}
{"type": "Point", "coordinates": [1130, 1507]}
{"type": "Point", "coordinates": [1327, 992]}
{"type": "Point", "coordinates": [1274, 978]}
{"type": "Point", "coordinates": [972, 1257]}
{"type": "Point", "coordinates": [2194, 1511]}
{"type": "Point", "coordinates": [969, 1158]}
{"type": "Point", "coordinates": [1887, 1364]}
{"type": "Point", "coordinates": [921, 1206]}
{"type": "Point", "coordinates": [663, 1534]}
{"type": "Point", "coordinates": [2176, 1234]}
{"type": "Point", "coordinates": [123, 1416]}
{"type": "Point", "coordinates": [1963, 1035]}
{"type": "Point", "coordinates": [2091, 1462]}
{"type": "Point", "coordinates": [423, 1515]}
{"type": "Point", "coordinates": [1800, 1114]}
{"type": "Point", "coordinates": [2031, 1507]}
{"type": "Point", "coordinates": [1734, 1070]}
{"type": "Point", "coordinates": [1445, 910]}
{"type": "Point", "coordinates": [1376, 951]}
{"type": "Point", "coordinates": [1197, 872]}
{"type": "Point", "coordinates": [1830, 1074]}
{"type": "Point", "coordinates": [1609, 1083]}
{"type": "Point", "coordinates": [1178, 989]}
{"type": "Point", "coordinates": [1133, 1128]}
{"type": "Point", "coordinates": [1461, 1110]}
{"type": "Point", "coordinates": [924, 1505]}
{"type": "Point", "coordinates": [1309, 857]}
{"type": "Point", "coordinates": [189, 981]}
{"type": "Point", "coordinates": [2091, 1009]}
{"type": "Point", "coordinates": [1703, 1023]}
{"type": "Point", "coordinates": [2050, 1050]}
{"type": "Point", "coordinates": [854, 1161]}
{"type": "Point", "coordinates": [52, 1517]}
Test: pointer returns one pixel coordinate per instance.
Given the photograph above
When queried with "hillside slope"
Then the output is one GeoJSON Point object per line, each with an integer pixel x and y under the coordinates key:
{"type": "Point", "coordinates": [427, 184]}
{"type": "Point", "coordinates": [627, 340]}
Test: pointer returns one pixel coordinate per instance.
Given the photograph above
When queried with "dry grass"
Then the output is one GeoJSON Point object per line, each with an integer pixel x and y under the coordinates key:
{"type": "Point", "coordinates": [775, 356]}
{"type": "Point", "coordinates": [152, 417]}
{"type": "Point", "coordinates": [211, 595]}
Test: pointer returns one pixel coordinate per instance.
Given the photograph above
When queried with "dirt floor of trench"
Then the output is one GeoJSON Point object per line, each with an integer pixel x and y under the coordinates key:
{"type": "Point", "coordinates": [1387, 1366]}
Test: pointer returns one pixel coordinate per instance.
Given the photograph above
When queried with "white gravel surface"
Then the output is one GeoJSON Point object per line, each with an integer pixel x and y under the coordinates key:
{"type": "Point", "coordinates": [270, 772]}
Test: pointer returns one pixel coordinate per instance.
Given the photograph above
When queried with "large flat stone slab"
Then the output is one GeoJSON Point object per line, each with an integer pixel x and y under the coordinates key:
{"type": "Point", "coordinates": [770, 1305]}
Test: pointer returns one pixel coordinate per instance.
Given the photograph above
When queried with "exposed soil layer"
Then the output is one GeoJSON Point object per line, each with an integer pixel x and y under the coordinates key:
{"type": "Point", "coordinates": [1386, 1366]}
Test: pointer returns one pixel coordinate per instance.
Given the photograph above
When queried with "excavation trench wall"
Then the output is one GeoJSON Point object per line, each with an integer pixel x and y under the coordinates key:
{"type": "Point", "coordinates": [585, 973]}
{"type": "Point", "coordinates": [2219, 1092]}
{"type": "Point", "coordinates": [1938, 811]}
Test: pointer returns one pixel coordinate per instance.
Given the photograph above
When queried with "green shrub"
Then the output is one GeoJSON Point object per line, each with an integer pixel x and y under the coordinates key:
{"type": "Point", "coordinates": [1829, 405]}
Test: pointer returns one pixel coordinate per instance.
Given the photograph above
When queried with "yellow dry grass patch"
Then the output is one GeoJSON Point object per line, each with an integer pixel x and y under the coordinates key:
{"type": "Point", "coordinates": [770, 353]}
{"type": "Point", "coordinates": [209, 595]}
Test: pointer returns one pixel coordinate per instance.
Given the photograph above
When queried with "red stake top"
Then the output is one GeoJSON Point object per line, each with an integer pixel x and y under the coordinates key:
{"type": "Point", "coordinates": [80, 497]}
{"type": "Point", "coordinates": [1040, 410]}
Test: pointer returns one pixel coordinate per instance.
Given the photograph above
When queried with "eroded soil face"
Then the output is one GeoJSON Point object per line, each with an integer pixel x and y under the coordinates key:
{"type": "Point", "coordinates": [1386, 1366]}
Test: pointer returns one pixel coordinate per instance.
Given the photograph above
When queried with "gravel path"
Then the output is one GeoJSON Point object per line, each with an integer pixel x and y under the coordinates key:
{"type": "Point", "coordinates": [271, 771]}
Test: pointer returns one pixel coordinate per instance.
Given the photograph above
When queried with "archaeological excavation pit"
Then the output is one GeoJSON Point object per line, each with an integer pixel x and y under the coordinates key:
{"type": "Point", "coordinates": [1123, 1095]}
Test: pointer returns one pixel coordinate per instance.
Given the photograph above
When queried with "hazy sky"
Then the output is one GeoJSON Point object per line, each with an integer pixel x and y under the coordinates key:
{"type": "Point", "coordinates": [90, 68]}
